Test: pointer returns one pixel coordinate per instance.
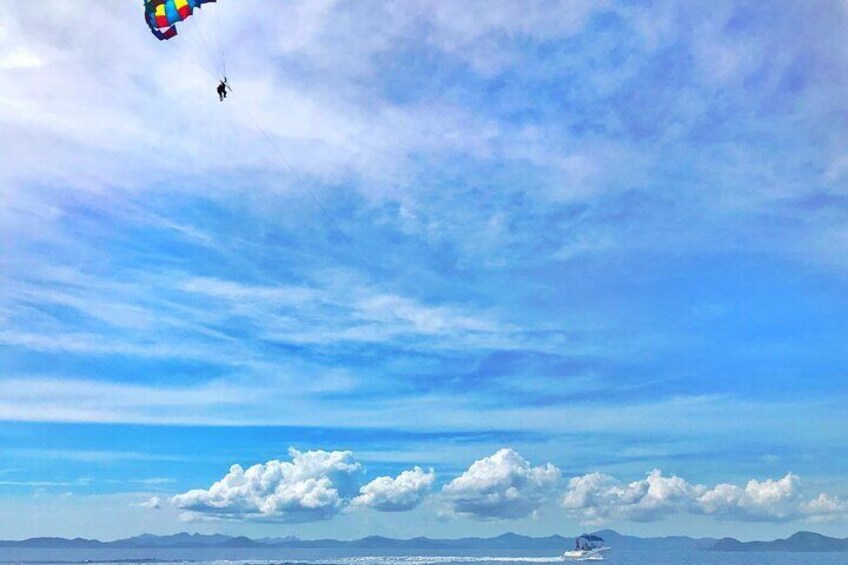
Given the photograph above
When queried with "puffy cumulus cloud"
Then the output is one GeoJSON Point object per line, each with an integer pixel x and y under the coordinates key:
{"type": "Point", "coordinates": [404, 492]}
{"type": "Point", "coordinates": [768, 501]}
{"type": "Point", "coordinates": [826, 508]}
{"type": "Point", "coordinates": [312, 486]}
{"type": "Point", "coordinates": [503, 485]}
{"type": "Point", "coordinates": [597, 498]}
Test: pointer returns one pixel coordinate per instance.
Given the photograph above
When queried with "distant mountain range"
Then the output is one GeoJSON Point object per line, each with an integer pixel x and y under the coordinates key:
{"type": "Point", "coordinates": [185, 540]}
{"type": "Point", "coordinates": [802, 541]}
{"type": "Point", "coordinates": [670, 543]}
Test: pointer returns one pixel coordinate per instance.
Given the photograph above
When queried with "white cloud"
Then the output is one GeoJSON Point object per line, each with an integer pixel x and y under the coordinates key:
{"type": "Point", "coordinates": [367, 312]}
{"type": "Point", "coordinates": [91, 344]}
{"type": "Point", "coordinates": [767, 501]}
{"type": "Point", "coordinates": [482, 33]}
{"type": "Point", "coordinates": [20, 58]}
{"type": "Point", "coordinates": [237, 293]}
{"type": "Point", "coordinates": [597, 498]}
{"type": "Point", "coordinates": [503, 485]}
{"type": "Point", "coordinates": [52, 399]}
{"type": "Point", "coordinates": [404, 492]}
{"type": "Point", "coordinates": [826, 508]}
{"type": "Point", "coordinates": [420, 318]}
{"type": "Point", "coordinates": [153, 503]}
{"type": "Point", "coordinates": [154, 481]}
{"type": "Point", "coordinates": [311, 487]}
{"type": "Point", "coordinates": [40, 484]}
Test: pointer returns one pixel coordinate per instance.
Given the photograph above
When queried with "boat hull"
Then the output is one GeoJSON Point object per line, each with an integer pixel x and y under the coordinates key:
{"type": "Point", "coordinates": [586, 554]}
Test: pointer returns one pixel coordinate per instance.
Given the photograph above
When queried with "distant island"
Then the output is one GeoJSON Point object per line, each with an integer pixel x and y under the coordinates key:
{"type": "Point", "coordinates": [799, 542]}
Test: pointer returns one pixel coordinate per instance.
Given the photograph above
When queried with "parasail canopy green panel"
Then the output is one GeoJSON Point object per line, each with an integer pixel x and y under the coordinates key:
{"type": "Point", "coordinates": [162, 15]}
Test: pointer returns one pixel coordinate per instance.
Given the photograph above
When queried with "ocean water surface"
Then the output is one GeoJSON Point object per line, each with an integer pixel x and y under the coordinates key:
{"type": "Point", "coordinates": [286, 556]}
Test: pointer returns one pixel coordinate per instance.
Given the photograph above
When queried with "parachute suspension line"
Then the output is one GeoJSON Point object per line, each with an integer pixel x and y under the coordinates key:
{"type": "Point", "coordinates": [302, 181]}
{"type": "Point", "coordinates": [203, 62]}
{"type": "Point", "coordinates": [209, 51]}
{"type": "Point", "coordinates": [219, 40]}
{"type": "Point", "coordinates": [214, 52]}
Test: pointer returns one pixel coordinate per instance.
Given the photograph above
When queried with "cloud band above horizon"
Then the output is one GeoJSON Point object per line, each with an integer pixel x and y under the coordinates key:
{"type": "Point", "coordinates": [318, 485]}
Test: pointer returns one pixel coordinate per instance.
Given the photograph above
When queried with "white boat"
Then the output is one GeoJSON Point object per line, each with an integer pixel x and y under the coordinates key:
{"type": "Point", "coordinates": [587, 548]}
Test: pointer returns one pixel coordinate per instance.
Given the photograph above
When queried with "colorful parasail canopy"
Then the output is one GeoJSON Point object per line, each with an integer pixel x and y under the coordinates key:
{"type": "Point", "coordinates": [161, 15]}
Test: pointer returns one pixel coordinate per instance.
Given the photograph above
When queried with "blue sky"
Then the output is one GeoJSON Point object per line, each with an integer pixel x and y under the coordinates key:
{"type": "Point", "coordinates": [510, 257]}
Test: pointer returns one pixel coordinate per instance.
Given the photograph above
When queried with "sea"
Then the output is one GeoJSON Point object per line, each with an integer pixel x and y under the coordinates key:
{"type": "Point", "coordinates": [285, 556]}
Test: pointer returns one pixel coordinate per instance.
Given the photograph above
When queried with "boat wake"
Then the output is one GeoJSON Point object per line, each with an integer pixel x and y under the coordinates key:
{"type": "Point", "coordinates": [436, 560]}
